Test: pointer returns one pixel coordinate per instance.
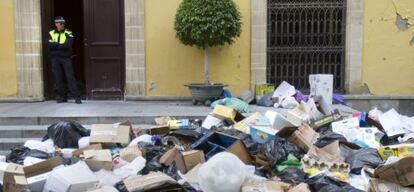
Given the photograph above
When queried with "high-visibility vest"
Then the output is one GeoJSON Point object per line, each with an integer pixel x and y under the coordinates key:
{"type": "Point", "coordinates": [54, 36]}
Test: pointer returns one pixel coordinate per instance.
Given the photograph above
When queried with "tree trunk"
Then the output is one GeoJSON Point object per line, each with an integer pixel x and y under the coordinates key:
{"type": "Point", "coordinates": [206, 78]}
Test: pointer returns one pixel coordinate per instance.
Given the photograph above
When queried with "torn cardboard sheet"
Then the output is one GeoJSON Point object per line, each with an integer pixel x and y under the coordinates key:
{"type": "Point", "coordinates": [153, 181]}
{"type": "Point", "coordinates": [400, 172]}
{"type": "Point", "coordinates": [264, 186]}
{"type": "Point", "coordinates": [110, 133]}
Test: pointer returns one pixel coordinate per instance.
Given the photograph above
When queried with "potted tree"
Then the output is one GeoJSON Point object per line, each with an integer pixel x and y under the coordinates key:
{"type": "Point", "coordinates": [204, 24]}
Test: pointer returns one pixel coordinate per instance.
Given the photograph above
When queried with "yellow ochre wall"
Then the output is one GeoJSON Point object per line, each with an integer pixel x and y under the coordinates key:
{"type": "Point", "coordinates": [170, 64]}
{"type": "Point", "coordinates": [388, 55]}
{"type": "Point", "coordinates": [8, 71]}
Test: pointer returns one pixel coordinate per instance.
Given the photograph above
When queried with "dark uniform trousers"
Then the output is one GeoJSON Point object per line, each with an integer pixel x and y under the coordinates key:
{"type": "Point", "coordinates": [62, 67]}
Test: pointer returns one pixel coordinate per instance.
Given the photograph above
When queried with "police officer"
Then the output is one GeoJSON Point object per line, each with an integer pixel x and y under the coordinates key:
{"type": "Point", "coordinates": [60, 46]}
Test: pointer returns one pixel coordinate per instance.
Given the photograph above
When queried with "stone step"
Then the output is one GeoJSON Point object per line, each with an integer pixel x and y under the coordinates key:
{"type": "Point", "coordinates": [7, 143]}
{"type": "Point", "coordinates": [86, 120]}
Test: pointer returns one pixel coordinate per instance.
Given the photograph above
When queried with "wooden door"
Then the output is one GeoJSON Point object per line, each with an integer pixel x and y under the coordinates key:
{"type": "Point", "coordinates": [104, 48]}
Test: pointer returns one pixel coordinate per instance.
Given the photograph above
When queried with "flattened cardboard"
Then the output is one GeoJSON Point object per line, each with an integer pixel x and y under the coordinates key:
{"type": "Point", "coordinates": [400, 172]}
{"type": "Point", "coordinates": [110, 133]}
{"type": "Point", "coordinates": [303, 187]}
{"type": "Point", "coordinates": [154, 181]}
{"type": "Point", "coordinates": [78, 152]}
{"type": "Point", "coordinates": [98, 159]}
{"type": "Point", "coordinates": [130, 153]}
{"type": "Point", "coordinates": [264, 186]}
{"type": "Point", "coordinates": [378, 185]}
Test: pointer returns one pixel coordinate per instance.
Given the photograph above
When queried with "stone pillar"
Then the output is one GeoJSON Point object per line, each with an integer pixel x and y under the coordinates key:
{"type": "Point", "coordinates": [354, 45]}
{"type": "Point", "coordinates": [134, 48]}
{"type": "Point", "coordinates": [28, 49]}
{"type": "Point", "coordinates": [258, 42]}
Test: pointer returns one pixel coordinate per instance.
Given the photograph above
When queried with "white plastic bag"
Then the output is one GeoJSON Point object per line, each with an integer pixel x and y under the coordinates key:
{"type": "Point", "coordinates": [143, 138]}
{"type": "Point", "coordinates": [46, 146]}
{"type": "Point", "coordinates": [224, 172]}
{"type": "Point", "coordinates": [83, 142]}
{"type": "Point", "coordinates": [132, 168]}
{"type": "Point", "coordinates": [289, 103]}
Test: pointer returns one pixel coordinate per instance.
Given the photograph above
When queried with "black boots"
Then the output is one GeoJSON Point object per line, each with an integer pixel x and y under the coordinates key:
{"type": "Point", "coordinates": [62, 100]}
{"type": "Point", "coordinates": [78, 100]}
{"type": "Point", "coordinates": [65, 100]}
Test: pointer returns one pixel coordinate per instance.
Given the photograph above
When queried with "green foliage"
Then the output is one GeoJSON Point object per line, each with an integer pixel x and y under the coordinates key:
{"type": "Point", "coordinates": [207, 22]}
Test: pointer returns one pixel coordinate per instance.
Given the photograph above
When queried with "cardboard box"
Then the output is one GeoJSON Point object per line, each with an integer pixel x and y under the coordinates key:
{"type": "Point", "coordinates": [73, 178]}
{"type": "Point", "coordinates": [401, 150]}
{"type": "Point", "coordinates": [228, 114]}
{"type": "Point", "coordinates": [110, 133]}
{"type": "Point", "coordinates": [304, 137]}
{"type": "Point", "coordinates": [243, 125]}
{"type": "Point", "coordinates": [184, 161]}
{"type": "Point", "coordinates": [303, 187]}
{"type": "Point", "coordinates": [159, 130]}
{"type": "Point", "coordinates": [277, 120]}
{"type": "Point", "coordinates": [214, 142]}
{"type": "Point", "coordinates": [18, 178]}
{"type": "Point", "coordinates": [130, 153]}
{"type": "Point", "coordinates": [154, 181]}
{"type": "Point", "coordinates": [211, 121]}
{"type": "Point", "coordinates": [261, 130]}
{"type": "Point", "coordinates": [78, 152]}
{"type": "Point", "coordinates": [400, 172]}
{"type": "Point", "coordinates": [264, 186]}
{"type": "Point", "coordinates": [98, 159]}
{"type": "Point", "coordinates": [322, 84]}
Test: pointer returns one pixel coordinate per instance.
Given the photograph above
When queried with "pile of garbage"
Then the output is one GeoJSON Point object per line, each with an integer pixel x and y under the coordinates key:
{"type": "Point", "coordinates": [310, 148]}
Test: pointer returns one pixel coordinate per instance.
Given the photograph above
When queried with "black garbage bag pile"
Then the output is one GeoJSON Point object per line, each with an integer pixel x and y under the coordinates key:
{"type": "Point", "coordinates": [18, 154]}
{"type": "Point", "coordinates": [66, 134]}
{"type": "Point", "coordinates": [277, 150]}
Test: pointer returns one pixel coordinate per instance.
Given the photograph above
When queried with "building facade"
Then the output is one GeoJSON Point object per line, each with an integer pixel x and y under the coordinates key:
{"type": "Point", "coordinates": [128, 49]}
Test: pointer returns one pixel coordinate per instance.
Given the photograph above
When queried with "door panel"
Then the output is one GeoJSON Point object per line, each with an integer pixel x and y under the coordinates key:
{"type": "Point", "coordinates": [104, 48]}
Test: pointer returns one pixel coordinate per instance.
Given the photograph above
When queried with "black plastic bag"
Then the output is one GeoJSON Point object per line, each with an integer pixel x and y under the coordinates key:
{"type": "Point", "coordinates": [292, 175]}
{"type": "Point", "coordinates": [18, 154]}
{"type": "Point", "coordinates": [277, 150]}
{"type": "Point", "coordinates": [324, 183]}
{"type": "Point", "coordinates": [266, 100]}
{"type": "Point", "coordinates": [66, 134]}
{"type": "Point", "coordinates": [327, 136]}
{"type": "Point", "coordinates": [361, 158]}
{"type": "Point", "coordinates": [152, 154]}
